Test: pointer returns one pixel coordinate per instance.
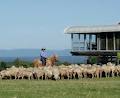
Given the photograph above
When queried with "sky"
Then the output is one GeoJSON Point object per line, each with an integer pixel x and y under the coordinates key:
{"type": "Point", "coordinates": [35, 24]}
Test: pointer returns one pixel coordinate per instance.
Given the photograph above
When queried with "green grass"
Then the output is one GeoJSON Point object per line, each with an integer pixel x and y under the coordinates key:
{"type": "Point", "coordinates": [84, 88]}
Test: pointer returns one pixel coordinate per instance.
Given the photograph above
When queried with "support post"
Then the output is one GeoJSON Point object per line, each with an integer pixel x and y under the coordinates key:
{"type": "Point", "coordinates": [72, 42]}
{"type": "Point", "coordinates": [106, 42]}
{"type": "Point", "coordinates": [114, 41]}
{"type": "Point", "coordinates": [84, 41]}
{"type": "Point", "coordinates": [98, 42]}
{"type": "Point", "coordinates": [90, 42]}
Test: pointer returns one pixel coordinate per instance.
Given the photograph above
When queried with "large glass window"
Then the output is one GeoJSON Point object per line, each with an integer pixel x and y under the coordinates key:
{"type": "Point", "coordinates": [117, 41]}
{"type": "Point", "coordinates": [75, 42]}
{"type": "Point", "coordinates": [110, 41]}
{"type": "Point", "coordinates": [81, 37]}
{"type": "Point", "coordinates": [103, 41]}
{"type": "Point", "coordinates": [91, 42]}
{"type": "Point", "coordinates": [75, 37]}
{"type": "Point", "coordinates": [82, 43]}
{"type": "Point", "coordinates": [94, 42]}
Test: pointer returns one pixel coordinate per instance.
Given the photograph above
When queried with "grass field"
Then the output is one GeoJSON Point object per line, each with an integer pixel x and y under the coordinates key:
{"type": "Point", "coordinates": [84, 88]}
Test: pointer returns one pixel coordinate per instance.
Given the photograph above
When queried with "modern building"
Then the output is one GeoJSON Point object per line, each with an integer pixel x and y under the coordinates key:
{"type": "Point", "coordinates": [95, 40]}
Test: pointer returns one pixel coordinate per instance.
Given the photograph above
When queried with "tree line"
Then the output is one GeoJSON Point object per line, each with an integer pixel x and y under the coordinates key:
{"type": "Point", "coordinates": [17, 63]}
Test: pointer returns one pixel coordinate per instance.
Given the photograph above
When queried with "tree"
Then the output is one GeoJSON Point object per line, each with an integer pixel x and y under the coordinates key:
{"type": "Point", "coordinates": [17, 62]}
{"type": "Point", "coordinates": [3, 65]}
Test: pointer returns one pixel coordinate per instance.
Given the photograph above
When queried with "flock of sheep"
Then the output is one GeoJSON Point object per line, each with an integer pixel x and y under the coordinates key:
{"type": "Point", "coordinates": [72, 71]}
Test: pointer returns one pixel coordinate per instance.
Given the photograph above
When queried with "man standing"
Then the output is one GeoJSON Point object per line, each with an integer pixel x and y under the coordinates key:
{"type": "Point", "coordinates": [43, 56]}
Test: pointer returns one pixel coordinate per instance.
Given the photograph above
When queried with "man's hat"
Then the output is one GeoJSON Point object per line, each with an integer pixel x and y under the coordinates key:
{"type": "Point", "coordinates": [42, 48]}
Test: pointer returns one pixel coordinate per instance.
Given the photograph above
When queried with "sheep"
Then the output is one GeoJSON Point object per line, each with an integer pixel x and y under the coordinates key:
{"type": "Point", "coordinates": [108, 68]}
{"type": "Point", "coordinates": [63, 72]}
{"type": "Point", "coordinates": [98, 71]}
{"type": "Point", "coordinates": [91, 70]}
{"type": "Point", "coordinates": [72, 71]}
{"type": "Point", "coordinates": [77, 71]}
{"type": "Point", "coordinates": [39, 72]}
{"type": "Point", "coordinates": [13, 72]}
{"type": "Point", "coordinates": [48, 72]}
{"type": "Point", "coordinates": [28, 74]}
{"type": "Point", "coordinates": [9, 72]}
{"type": "Point", "coordinates": [5, 73]}
{"type": "Point", "coordinates": [112, 68]}
{"type": "Point", "coordinates": [117, 70]}
{"type": "Point", "coordinates": [56, 73]}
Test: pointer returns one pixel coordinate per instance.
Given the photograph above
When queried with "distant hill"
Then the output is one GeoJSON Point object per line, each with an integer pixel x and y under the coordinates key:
{"type": "Point", "coordinates": [31, 52]}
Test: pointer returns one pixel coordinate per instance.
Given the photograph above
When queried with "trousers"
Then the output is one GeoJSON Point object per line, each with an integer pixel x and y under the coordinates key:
{"type": "Point", "coordinates": [43, 59]}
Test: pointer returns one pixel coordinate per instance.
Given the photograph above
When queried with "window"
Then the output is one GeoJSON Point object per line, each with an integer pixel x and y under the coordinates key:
{"type": "Point", "coordinates": [110, 41]}
{"type": "Point", "coordinates": [75, 42]}
{"type": "Point", "coordinates": [94, 42]}
{"type": "Point", "coordinates": [117, 41]}
{"type": "Point", "coordinates": [103, 41]}
{"type": "Point", "coordinates": [75, 37]}
{"type": "Point", "coordinates": [81, 37]}
{"type": "Point", "coordinates": [91, 40]}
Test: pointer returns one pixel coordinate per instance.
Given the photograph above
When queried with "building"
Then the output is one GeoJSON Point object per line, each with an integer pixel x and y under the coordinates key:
{"type": "Point", "coordinates": [95, 40]}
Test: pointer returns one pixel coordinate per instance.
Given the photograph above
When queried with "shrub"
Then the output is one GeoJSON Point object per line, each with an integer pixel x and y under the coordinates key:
{"type": "Point", "coordinates": [93, 60]}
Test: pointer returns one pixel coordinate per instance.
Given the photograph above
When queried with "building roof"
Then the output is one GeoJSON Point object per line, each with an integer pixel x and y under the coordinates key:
{"type": "Point", "coordinates": [92, 29]}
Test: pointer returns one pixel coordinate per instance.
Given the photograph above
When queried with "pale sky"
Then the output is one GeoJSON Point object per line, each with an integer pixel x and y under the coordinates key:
{"type": "Point", "coordinates": [41, 23]}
